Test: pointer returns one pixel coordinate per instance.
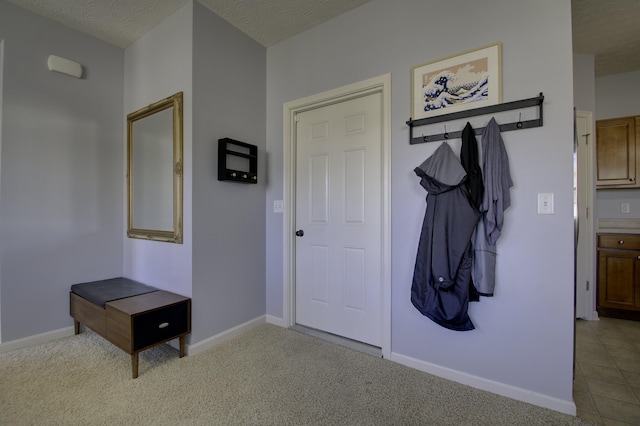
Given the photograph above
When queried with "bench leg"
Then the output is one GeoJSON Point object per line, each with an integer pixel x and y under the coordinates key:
{"type": "Point", "coordinates": [182, 342]}
{"type": "Point", "coordinates": [76, 327]}
{"type": "Point", "coordinates": [134, 365]}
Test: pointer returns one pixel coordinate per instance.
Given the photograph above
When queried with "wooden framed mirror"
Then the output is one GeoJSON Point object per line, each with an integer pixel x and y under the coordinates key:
{"type": "Point", "coordinates": [154, 171]}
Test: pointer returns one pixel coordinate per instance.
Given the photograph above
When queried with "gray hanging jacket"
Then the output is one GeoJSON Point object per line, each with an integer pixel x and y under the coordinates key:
{"type": "Point", "coordinates": [442, 274]}
{"type": "Point", "coordinates": [497, 182]}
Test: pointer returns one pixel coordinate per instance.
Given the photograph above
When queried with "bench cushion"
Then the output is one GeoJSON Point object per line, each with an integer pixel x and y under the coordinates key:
{"type": "Point", "coordinates": [101, 292]}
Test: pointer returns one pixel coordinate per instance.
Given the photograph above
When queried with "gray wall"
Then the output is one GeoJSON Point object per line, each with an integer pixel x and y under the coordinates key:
{"type": "Point", "coordinates": [222, 74]}
{"type": "Point", "coordinates": [584, 86]}
{"type": "Point", "coordinates": [158, 65]}
{"type": "Point", "coordinates": [229, 99]}
{"type": "Point", "coordinates": [62, 171]}
{"type": "Point", "coordinates": [524, 335]}
{"type": "Point", "coordinates": [63, 177]}
{"type": "Point", "coordinates": [617, 96]}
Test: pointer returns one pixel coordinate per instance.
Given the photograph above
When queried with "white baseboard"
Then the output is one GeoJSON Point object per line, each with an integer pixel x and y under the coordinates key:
{"type": "Point", "coordinates": [35, 339]}
{"type": "Point", "coordinates": [541, 400]}
{"type": "Point", "coordinates": [224, 336]}
{"type": "Point", "coordinates": [280, 322]}
{"type": "Point", "coordinates": [190, 349]}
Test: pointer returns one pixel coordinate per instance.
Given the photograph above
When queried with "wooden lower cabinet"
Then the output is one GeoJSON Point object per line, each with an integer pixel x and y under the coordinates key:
{"type": "Point", "coordinates": [619, 275]}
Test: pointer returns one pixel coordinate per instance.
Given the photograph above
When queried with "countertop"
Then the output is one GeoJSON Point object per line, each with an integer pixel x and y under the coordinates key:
{"type": "Point", "coordinates": [618, 226]}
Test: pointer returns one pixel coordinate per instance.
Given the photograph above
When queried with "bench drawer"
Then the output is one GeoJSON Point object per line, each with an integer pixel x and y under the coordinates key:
{"type": "Point", "coordinates": [162, 324]}
{"type": "Point", "coordinates": [139, 322]}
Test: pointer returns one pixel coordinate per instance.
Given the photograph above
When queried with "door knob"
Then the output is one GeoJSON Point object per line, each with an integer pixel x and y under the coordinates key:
{"type": "Point", "coordinates": [299, 233]}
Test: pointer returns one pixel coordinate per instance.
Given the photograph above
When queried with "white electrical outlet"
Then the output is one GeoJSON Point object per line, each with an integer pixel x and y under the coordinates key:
{"type": "Point", "coordinates": [625, 208]}
{"type": "Point", "coordinates": [278, 206]}
{"type": "Point", "coordinates": [545, 203]}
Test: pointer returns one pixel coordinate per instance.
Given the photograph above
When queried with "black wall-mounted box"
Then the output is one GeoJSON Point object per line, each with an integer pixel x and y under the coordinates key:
{"type": "Point", "coordinates": [237, 161]}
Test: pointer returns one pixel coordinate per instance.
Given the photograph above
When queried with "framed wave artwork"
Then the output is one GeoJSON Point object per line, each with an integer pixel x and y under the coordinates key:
{"type": "Point", "coordinates": [470, 79]}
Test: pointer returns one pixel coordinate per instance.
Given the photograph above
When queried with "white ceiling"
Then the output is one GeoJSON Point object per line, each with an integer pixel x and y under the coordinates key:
{"type": "Point", "coordinates": [607, 29]}
{"type": "Point", "coordinates": [121, 22]}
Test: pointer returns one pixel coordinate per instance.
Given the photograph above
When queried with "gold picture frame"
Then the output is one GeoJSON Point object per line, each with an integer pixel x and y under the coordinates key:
{"type": "Point", "coordinates": [155, 171]}
{"type": "Point", "coordinates": [467, 80]}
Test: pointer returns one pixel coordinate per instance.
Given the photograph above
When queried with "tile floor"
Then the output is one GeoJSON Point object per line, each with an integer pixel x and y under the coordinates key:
{"type": "Point", "coordinates": [606, 388]}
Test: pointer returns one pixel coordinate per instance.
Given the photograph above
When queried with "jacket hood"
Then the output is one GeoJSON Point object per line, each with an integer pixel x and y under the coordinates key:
{"type": "Point", "coordinates": [442, 171]}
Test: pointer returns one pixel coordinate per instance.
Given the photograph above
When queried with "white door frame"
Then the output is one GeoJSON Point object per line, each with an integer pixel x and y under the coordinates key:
{"type": "Point", "coordinates": [381, 84]}
{"type": "Point", "coordinates": [587, 230]}
{"type": "Point", "coordinates": [1, 102]}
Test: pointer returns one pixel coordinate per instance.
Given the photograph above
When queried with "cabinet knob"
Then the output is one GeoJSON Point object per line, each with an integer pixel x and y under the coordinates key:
{"type": "Point", "coordinates": [632, 179]}
{"type": "Point", "coordinates": [163, 325]}
{"type": "Point", "coordinates": [621, 242]}
{"type": "Point", "coordinates": [638, 257]}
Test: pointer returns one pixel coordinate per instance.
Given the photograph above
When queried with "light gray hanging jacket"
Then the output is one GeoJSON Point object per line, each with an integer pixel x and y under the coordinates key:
{"type": "Point", "coordinates": [497, 182]}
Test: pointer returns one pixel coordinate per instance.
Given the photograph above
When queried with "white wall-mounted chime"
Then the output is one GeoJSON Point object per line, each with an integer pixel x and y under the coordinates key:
{"type": "Point", "coordinates": [64, 66]}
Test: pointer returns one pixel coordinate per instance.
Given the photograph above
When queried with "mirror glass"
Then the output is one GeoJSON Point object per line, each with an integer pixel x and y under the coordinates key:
{"type": "Point", "coordinates": [154, 171]}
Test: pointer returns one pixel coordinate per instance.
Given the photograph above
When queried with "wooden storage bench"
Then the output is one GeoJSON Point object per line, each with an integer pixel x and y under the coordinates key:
{"type": "Point", "coordinates": [131, 315]}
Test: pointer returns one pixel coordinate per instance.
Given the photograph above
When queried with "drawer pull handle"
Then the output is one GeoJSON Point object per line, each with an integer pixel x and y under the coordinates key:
{"type": "Point", "coordinates": [163, 325]}
{"type": "Point", "coordinates": [621, 242]}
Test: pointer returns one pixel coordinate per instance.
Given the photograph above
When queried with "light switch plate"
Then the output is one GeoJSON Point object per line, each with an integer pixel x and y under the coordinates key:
{"type": "Point", "coordinates": [545, 203]}
{"type": "Point", "coordinates": [625, 208]}
{"type": "Point", "coordinates": [278, 206]}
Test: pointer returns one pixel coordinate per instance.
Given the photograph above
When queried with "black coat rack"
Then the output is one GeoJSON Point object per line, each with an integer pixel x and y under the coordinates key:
{"type": "Point", "coordinates": [507, 106]}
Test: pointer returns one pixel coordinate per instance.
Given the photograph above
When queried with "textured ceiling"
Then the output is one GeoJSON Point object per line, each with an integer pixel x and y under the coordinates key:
{"type": "Point", "coordinates": [271, 21]}
{"type": "Point", "coordinates": [607, 29]}
{"type": "Point", "coordinates": [121, 22]}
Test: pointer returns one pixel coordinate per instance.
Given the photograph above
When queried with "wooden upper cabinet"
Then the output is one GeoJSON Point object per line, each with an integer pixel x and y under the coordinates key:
{"type": "Point", "coordinates": [617, 156]}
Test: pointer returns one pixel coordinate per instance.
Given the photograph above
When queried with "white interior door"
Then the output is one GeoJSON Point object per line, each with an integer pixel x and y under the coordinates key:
{"type": "Point", "coordinates": [584, 187]}
{"type": "Point", "coordinates": [338, 259]}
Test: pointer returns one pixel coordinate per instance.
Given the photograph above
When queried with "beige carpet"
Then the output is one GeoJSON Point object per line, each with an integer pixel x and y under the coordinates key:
{"type": "Point", "coordinates": [267, 376]}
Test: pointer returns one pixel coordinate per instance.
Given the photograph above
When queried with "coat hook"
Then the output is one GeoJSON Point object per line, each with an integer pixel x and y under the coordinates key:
{"type": "Point", "coordinates": [519, 123]}
{"type": "Point", "coordinates": [446, 134]}
{"type": "Point", "coordinates": [424, 138]}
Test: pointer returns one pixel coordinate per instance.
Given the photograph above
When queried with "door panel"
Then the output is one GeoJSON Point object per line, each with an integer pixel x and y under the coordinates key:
{"type": "Point", "coordinates": [320, 274]}
{"type": "Point", "coordinates": [318, 188]}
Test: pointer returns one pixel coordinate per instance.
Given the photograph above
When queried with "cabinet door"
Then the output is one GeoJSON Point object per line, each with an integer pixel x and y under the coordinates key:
{"type": "Point", "coordinates": [618, 277]}
{"type": "Point", "coordinates": [616, 153]}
